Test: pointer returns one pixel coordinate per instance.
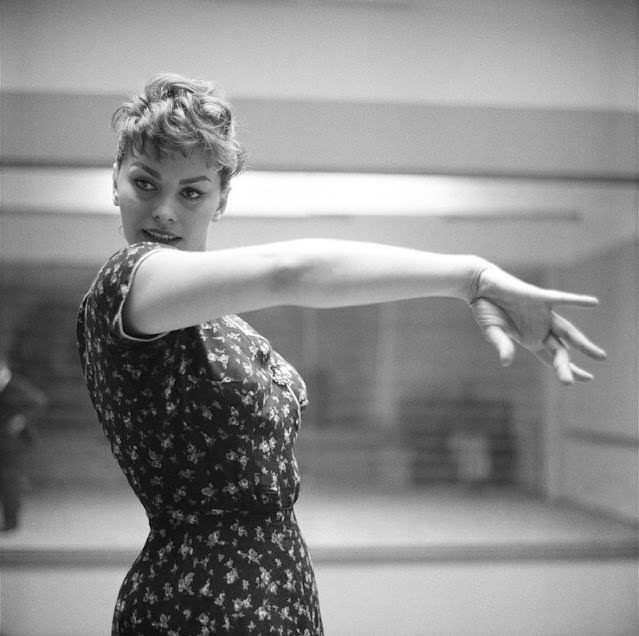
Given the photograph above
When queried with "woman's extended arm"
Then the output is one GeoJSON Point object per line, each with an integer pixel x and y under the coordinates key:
{"type": "Point", "coordinates": [174, 289]}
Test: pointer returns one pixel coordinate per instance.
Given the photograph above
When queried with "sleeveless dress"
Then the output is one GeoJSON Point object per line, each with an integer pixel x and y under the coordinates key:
{"type": "Point", "coordinates": [202, 422]}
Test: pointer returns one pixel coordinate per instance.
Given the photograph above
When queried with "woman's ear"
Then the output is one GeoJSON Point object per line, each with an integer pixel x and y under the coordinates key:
{"type": "Point", "coordinates": [222, 207]}
{"type": "Point", "coordinates": [116, 199]}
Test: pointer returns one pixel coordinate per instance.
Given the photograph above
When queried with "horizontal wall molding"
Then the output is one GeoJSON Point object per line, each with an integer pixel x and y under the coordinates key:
{"type": "Point", "coordinates": [374, 555]}
{"type": "Point", "coordinates": [585, 178]}
{"type": "Point", "coordinates": [603, 439]}
{"type": "Point", "coordinates": [73, 130]}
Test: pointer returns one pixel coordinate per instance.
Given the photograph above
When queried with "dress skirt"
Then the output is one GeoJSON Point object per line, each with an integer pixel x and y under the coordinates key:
{"type": "Point", "coordinates": [231, 572]}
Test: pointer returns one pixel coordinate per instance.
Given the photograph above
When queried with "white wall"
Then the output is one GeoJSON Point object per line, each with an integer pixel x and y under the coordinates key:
{"type": "Point", "coordinates": [564, 53]}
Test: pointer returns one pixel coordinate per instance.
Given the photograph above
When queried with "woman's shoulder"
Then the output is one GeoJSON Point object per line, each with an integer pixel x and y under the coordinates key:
{"type": "Point", "coordinates": [100, 312]}
{"type": "Point", "coordinates": [131, 253]}
{"type": "Point", "coordinates": [122, 263]}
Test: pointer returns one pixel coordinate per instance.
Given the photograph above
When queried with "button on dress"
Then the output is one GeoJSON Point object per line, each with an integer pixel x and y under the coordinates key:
{"type": "Point", "coordinates": [202, 422]}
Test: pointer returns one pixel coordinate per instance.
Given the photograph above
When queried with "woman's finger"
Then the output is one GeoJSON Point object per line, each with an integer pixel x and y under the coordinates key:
{"type": "Point", "coordinates": [502, 342]}
{"type": "Point", "coordinates": [556, 297]}
{"type": "Point", "coordinates": [569, 333]}
{"type": "Point", "coordinates": [560, 359]}
{"type": "Point", "coordinates": [579, 374]}
{"type": "Point", "coordinates": [556, 354]}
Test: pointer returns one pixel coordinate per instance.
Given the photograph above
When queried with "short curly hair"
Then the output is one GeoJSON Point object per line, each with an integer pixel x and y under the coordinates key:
{"type": "Point", "coordinates": [177, 114]}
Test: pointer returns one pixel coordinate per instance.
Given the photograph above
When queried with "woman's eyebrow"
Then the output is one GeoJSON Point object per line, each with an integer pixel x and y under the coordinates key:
{"type": "Point", "coordinates": [194, 179]}
{"type": "Point", "coordinates": [153, 173]}
{"type": "Point", "coordinates": [158, 176]}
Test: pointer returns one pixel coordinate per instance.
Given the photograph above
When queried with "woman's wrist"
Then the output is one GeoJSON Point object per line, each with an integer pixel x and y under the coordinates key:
{"type": "Point", "coordinates": [471, 280]}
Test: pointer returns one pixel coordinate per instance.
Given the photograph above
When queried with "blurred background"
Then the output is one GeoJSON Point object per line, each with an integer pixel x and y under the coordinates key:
{"type": "Point", "coordinates": [442, 494]}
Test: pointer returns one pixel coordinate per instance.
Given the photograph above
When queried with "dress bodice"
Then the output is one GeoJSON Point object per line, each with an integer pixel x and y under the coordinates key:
{"type": "Point", "coordinates": [199, 419]}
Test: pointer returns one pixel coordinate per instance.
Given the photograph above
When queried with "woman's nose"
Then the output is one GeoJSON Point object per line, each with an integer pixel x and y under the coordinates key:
{"type": "Point", "coordinates": [163, 211]}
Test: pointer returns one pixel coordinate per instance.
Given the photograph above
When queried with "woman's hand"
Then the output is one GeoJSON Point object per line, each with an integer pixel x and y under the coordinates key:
{"type": "Point", "coordinates": [508, 310]}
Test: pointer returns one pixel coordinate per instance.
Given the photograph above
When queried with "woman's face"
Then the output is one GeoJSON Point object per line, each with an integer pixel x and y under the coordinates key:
{"type": "Point", "coordinates": [171, 199]}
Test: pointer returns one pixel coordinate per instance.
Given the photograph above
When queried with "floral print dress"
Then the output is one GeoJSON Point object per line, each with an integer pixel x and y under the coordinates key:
{"type": "Point", "coordinates": [202, 422]}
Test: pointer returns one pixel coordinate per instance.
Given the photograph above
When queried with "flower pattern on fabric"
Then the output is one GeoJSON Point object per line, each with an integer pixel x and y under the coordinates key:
{"type": "Point", "coordinates": [202, 422]}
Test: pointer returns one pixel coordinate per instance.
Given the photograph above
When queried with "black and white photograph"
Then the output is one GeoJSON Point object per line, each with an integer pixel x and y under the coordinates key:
{"type": "Point", "coordinates": [319, 317]}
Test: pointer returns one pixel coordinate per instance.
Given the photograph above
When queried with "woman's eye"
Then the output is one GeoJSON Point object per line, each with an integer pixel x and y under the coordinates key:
{"type": "Point", "coordinates": [143, 184]}
{"type": "Point", "coordinates": [191, 194]}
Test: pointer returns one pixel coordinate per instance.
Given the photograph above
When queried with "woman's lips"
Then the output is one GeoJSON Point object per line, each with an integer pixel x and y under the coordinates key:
{"type": "Point", "coordinates": [161, 237]}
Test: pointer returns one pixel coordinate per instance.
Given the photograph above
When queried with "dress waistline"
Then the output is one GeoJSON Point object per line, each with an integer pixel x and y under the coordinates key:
{"type": "Point", "coordinates": [177, 521]}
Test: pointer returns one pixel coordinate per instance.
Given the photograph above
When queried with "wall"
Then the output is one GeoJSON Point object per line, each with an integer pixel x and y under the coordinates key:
{"type": "Point", "coordinates": [570, 54]}
{"type": "Point", "coordinates": [537, 87]}
{"type": "Point", "coordinates": [593, 434]}
{"type": "Point", "coordinates": [331, 135]}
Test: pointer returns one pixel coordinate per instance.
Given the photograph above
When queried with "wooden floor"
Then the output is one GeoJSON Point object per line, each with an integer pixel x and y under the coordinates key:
{"type": "Point", "coordinates": [431, 523]}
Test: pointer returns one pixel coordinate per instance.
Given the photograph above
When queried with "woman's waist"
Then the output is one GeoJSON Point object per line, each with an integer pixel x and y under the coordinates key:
{"type": "Point", "coordinates": [257, 493]}
{"type": "Point", "coordinates": [204, 521]}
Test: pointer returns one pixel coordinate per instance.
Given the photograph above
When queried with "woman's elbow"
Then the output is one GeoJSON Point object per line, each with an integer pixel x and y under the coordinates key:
{"type": "Point", "coordinates": [297, 273]}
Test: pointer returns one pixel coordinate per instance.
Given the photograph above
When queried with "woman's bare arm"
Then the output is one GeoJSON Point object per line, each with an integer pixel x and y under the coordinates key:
{"type": "Point", "coordinates": [174, 289]}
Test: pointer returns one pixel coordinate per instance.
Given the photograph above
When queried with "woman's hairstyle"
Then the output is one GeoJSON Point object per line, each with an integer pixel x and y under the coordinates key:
{"type": "Point", "coordinates": [176, 114]}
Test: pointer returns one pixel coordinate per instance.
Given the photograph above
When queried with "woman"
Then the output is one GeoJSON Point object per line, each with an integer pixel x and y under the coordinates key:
{"type": "Point", "coordinates": [201, 412]}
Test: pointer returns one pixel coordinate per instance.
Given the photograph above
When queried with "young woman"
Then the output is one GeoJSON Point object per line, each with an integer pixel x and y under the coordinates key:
{"type": "Point", "coordinates": [202, 414]}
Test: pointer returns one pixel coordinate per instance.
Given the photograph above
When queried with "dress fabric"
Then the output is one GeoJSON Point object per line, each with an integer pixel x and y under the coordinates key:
{"type": "Point", "coordinates": [202, 422]}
